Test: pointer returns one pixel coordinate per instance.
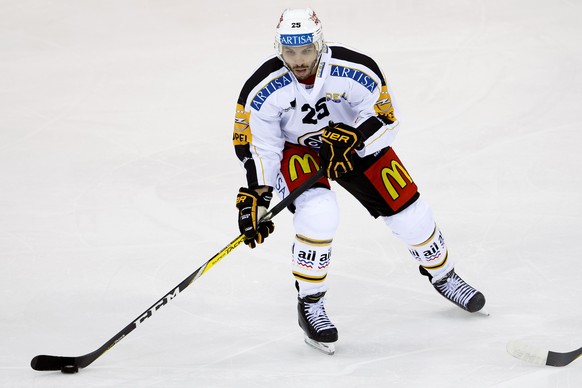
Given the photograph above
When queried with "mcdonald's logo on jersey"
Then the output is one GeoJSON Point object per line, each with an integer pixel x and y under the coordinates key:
{"type": "Point", "coordinates": [395, 173]}
{"type": "Point", "coordinates": [392, 180]}
{"type": "Point", "coordinates": [305, 162]}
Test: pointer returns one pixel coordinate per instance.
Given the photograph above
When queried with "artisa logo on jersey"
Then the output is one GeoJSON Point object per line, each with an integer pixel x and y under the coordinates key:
{"type": "Point", "coordinates": [269, 89]}
{"type": "Point", "coordinates": [358, 76]}
{"type": "Point", "coordinates": [296, 40]}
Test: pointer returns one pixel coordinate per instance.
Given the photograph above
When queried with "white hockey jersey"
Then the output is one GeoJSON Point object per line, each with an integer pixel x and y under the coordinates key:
{"type": "Point", "coordinates": [274, 108]}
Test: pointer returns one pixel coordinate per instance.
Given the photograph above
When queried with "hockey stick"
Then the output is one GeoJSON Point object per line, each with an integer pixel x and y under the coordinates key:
{"type": "Point", "coordinates": [72, 364]}
{"type": "Point", "coordinates": [528, 353]}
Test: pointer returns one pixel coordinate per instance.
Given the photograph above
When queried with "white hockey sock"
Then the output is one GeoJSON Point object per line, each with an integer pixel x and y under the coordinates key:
{"type": "Point", "coordinates": [433, 255]}
{"type": "Point", "coordinates": [316, 219]}
{"type": "Point", "coordinates": [311, 259]}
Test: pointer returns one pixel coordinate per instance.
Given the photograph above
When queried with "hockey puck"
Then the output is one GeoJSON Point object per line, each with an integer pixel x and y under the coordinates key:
{"type": "Point", "coordinates": [69, 369]}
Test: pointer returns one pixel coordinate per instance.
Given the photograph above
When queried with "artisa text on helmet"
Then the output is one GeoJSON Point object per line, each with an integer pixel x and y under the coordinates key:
{"type": "Point", "coordinates": [296, 40]}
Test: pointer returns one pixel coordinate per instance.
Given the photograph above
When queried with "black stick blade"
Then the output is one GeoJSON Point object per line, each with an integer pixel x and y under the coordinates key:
{"type": "Point", "coordinates": [534, 355]}
{"type": "Point", "coordinates": [562, 359]}
{"type": "Point", "coordinates": [44, 363]}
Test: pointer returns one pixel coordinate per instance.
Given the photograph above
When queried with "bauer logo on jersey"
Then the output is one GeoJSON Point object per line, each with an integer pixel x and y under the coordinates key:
{"type": "Point", "coordinates": [296, 40]}
{"type": "Point", "coordinates": [358, 76]}
{"type": "Point", "coordinates": [269, 89]}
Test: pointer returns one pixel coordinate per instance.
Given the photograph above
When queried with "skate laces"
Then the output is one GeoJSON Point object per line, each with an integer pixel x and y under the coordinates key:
{"type": "Point", "coordinates": [455, 289]}
{"type": "Point", "coordinates": [316, 315]}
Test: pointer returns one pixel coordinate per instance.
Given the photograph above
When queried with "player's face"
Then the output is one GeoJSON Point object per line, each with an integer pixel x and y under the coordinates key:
{"type": "Point", "coordinates": [301, 60]}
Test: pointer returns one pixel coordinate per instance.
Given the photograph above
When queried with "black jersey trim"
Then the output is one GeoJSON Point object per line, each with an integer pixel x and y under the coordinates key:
{"type": "Point", "coordinates": [243, 153]}
{"type": "Point", "coordinates": [347, 54]}
{"type": "Point", "coordinates": [268, 67]}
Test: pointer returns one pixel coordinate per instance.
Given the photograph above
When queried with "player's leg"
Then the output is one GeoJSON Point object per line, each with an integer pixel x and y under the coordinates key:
{"type": "Point", "coordinates": [315, 219]}
{"type": "Point", "coordinates": [416, 227]}
{"type": "Point", "coordinates": [383, 185]}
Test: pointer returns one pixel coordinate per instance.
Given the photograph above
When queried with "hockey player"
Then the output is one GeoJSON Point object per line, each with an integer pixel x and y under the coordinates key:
{"type": "Point", "coordinates": [316, 105]}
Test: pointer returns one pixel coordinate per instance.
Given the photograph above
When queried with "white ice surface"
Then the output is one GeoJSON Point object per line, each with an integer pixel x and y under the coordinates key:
{"type": "Point", "coordinates": [118, 180]}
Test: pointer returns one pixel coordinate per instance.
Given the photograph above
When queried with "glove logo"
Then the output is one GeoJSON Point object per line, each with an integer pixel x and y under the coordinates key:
{"type": "Point", "coordinates": [336, 137]}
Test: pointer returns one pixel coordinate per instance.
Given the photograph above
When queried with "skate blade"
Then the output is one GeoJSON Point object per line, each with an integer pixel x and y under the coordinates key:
{"type": "Point", "coordinates": [483, 311]}
{"type": "Point", "coordinates": [324, 347]}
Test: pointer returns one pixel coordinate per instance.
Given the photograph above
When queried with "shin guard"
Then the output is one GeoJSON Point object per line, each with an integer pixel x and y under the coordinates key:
{"type": "Point", "coordinates": [416, 227]}
{"type": "Point", "coordinates": [433, 255]}
{"type": "Point", "coordinates": [311, 259]}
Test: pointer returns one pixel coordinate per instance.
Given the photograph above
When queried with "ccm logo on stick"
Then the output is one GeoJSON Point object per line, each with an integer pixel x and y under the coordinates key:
{"type": "Point", "coordinates": [171, 295]}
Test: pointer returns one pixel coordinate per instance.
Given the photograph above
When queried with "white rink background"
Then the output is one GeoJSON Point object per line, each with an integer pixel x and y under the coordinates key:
{"type": "Point", "coordinates": [118, 181]}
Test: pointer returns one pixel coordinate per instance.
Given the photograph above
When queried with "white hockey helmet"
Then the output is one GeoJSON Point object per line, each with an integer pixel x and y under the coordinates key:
{"type": "Point", "coordinates": [298, 27]}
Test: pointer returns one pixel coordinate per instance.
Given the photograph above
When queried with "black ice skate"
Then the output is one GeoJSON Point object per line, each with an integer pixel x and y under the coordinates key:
{"type": "Point", "coordinates": [458, 291]}
{"type": "Point", "coordinates": [320, 333]}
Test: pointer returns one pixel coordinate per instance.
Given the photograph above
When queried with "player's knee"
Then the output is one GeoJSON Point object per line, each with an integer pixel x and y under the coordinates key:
{"type": "Point", "coordinates": [316, 214]}
{"type": "Point", "coordinates": [416, 227]}
{"type": "Point", "coordinates": [414, 224]}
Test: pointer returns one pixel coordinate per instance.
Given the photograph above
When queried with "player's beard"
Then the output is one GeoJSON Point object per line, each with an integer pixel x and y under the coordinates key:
{"type": "Point", "coordinates": [305, 71]}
